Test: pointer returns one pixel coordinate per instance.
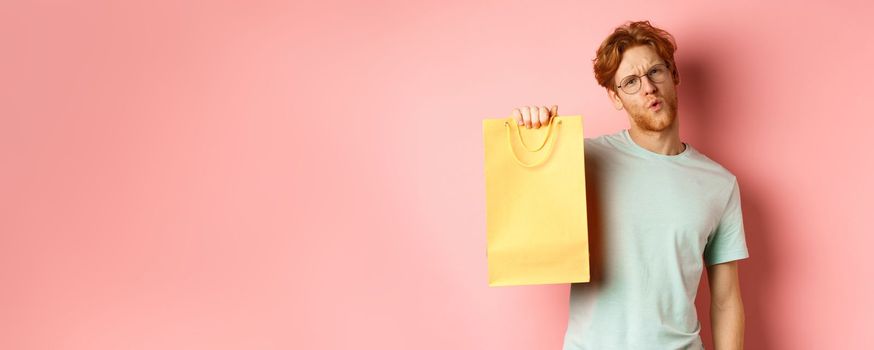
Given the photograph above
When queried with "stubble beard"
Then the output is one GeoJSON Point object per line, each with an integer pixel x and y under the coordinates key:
{"type": "Point", "coordinates": [656, 121]}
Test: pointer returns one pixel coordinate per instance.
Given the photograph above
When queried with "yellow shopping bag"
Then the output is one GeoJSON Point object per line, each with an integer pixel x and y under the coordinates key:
{"type": "Point", "coordinates": [536, 226]}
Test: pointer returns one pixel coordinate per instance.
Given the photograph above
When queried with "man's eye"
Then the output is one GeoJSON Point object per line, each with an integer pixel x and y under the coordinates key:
{"type": "Point", "coordinates": [630, 82]}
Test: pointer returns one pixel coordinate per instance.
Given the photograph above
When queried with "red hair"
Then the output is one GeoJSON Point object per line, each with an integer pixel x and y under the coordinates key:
{"type": "Point", "coordinates": [626, 36]}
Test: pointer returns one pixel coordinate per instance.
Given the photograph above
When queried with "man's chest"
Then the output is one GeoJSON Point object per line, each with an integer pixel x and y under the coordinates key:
{"type": "Point", "coordinates": [641, 197]}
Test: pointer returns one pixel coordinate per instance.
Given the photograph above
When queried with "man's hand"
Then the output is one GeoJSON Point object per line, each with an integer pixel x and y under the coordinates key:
{"type": "Point", "coordinates": [533, 116]}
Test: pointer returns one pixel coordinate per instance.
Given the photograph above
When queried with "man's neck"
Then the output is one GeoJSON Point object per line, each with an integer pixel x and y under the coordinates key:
{"type": "Point", "coordinates": [665, 142]}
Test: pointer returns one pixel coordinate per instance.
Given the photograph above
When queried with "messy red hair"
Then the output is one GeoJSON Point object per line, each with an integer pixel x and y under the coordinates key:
{"type": "Point", "coordinates": [626, 36]}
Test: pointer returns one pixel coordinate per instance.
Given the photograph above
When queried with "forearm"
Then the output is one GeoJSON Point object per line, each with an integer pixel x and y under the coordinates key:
{"type": "Point", "coordinates": [727, 324]}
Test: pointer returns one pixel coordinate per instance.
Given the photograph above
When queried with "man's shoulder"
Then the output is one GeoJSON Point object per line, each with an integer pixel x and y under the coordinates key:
{"type": "Point", "coordinates": [604, 137]}
{"type": "Point", "coordinates": [601, 141]}
{"type": "Point", "coordinates": [601, 148]}
{"type": "Point", "coordinates": [710, 166]}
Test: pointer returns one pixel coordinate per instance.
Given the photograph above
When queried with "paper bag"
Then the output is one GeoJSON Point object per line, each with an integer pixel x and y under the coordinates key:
{"type": "Point", "coordinates": [535, 202]}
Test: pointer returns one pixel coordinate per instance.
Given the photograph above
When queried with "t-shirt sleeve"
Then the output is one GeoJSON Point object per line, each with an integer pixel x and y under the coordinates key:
{"type": "Point", "coordinates": [728, 242]}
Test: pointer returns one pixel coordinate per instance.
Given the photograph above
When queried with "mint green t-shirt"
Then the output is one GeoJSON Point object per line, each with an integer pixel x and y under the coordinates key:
{"type": "Point", "coordinates": [654, 222]}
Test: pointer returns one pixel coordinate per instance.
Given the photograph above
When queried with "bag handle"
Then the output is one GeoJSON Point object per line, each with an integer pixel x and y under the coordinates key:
{"type": "Point", "coordinates": [518, 132]}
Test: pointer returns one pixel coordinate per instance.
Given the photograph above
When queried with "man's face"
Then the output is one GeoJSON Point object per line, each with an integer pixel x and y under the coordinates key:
{"type": "Point", "coordinates": [660, 116]}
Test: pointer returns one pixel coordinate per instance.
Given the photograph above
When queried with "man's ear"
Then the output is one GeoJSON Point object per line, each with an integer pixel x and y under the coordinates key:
{"type": "Point", "coordinates": [614, 97]}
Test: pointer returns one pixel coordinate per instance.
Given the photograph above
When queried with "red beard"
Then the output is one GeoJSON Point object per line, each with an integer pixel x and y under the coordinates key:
{"type": "Point", "coordinates": [656, 120]}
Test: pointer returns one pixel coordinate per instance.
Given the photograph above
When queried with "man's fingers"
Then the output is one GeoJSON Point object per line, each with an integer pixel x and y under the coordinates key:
{"type": "Point", "coordinates": [544, 115]}
{"type": "Point", "coordinates": [535, 118]}
{"type": "Point", "coordinates": [517, 116]}
{"type": "Point", "coordinates": [526, 116]}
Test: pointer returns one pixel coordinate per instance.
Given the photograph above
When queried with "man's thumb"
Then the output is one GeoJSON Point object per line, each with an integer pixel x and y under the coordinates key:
{"type": "Point", "coordinates": [553, 112]}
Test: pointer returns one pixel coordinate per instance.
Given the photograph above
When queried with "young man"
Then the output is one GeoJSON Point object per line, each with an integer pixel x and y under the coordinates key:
{"type": "Point", "coordinates": [659, 211]}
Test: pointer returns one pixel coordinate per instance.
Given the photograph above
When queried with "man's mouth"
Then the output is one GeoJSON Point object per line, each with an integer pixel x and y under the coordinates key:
{"type": "Point", "coordinates": [655, 105]}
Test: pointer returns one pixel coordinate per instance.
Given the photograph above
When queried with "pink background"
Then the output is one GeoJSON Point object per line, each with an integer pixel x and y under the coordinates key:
{"type": "Point", "coordinates": [269, 175]}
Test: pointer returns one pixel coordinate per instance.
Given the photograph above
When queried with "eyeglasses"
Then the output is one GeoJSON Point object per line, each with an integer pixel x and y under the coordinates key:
{"type": "Point", "coordinates": [656, 74]}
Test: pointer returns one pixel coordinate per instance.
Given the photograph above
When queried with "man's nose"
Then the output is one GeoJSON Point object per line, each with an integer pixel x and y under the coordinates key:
{"type": "Point", "coordinates": [648, 86]}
